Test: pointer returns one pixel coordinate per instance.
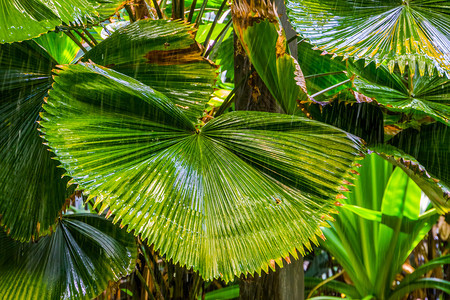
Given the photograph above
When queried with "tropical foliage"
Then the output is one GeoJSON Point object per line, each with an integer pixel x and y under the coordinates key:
{"type": "Point", "coordinates": [132, 122]}
{"type": "Point", "coordinates": [377, 228]}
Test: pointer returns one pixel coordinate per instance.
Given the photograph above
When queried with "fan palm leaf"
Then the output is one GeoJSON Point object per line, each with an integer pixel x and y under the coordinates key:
{"type": "Point", "coordinates": [227, 198]}
{"type": "Point", "coordinates": [386, 32]}
{"type": "Point", "coordinates": [75, 262]}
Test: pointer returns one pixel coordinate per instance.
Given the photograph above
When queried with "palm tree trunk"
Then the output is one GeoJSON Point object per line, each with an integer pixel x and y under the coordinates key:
{"type": "Point", "coordinates": [252, 94]}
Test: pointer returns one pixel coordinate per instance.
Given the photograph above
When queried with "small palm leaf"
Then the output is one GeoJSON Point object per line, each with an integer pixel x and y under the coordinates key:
{"type": "Point", "coordinates": [226, 199]}
{"type": "Point", "coordinates": [31, 190]}
{"type": "Point", "coordinates": [417, 94]}
{"type": "Point", "coordinates": [25, 19]}
{"type": "Point", "coordinates": [387, 32]}
{"type": "Point", "coordinates": [163, 55]}
{"type": "Point", "coordinates": [264, 42]}
{"type": "Point", "coordinates": [75, 262]}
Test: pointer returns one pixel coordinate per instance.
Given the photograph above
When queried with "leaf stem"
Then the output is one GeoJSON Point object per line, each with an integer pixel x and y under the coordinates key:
{"type": "Point", "coordinates": [90, 36]}
{"type": "Point", "coordinates": [324, 282]}
{"type": "Point", "coordinates": [71, 36]}
{"type": "Point", "coordinates": [213, 25]}
{"type": "Point", "coordinates": [191, 11]}
{"type": "Point", "coordinates": [323, 74]}
{"type": "Point", "coordinates": [84, 38]}
{"type": "Point", "coordinates": [158, 9]}
{"type": "Point", "coordinates": [224, 30]}
{"type": "Point", "coordinates": [330, 88]}
{"type": "Point", "coordinates": [200, 14]}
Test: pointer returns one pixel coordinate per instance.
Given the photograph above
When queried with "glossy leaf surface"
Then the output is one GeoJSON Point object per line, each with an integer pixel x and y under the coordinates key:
{"type": "Point", "coordinates": [25, 19]}
{"type": "Point", "coordinates": [417, 94]}
{"type": "Point", "coordinates": [163, 55]}
{"type": "Point", "coordinates": [264, 42]}
{"type": "Point", "coordinates": [226, 199]}
{"type": "Point", "coordinates": [75, 262]}
{"type": "Point", "coordinates": [387, 32]}
{"type": "Point", "coordinates": [31, 190]}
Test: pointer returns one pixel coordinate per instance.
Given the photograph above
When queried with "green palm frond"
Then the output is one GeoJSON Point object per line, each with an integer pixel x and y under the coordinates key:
{"type": "Point", "coordinates": [386, 32]}
{"type": "Point", "coordinates": [31, 190]}
{"type": "Point", "coordinates": [75, 262]}
{"type": "Point", "coordinates": [413, 94]}
{"type": "Point", "coordinates": [225, 199]}
{"type": "Point", "coordinates": [163, 55]}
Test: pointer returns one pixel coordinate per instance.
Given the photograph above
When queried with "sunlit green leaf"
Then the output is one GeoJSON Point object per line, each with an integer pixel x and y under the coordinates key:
{"type": "Point", "coordinates": [225, 57]}
{"type": "Point", "coordinates": [423, 269]}
{"type": "Point", "coordinates": [107, 8]}
{"type": "Point", "coordinates": [75, 262]}
{"type": "Point", "coordinates": [226, 199]}
{"type": "Point", "coordinates": [31, 190]}
{"type": "Point", "coordinates": [164, 56]}
{"type": "Point", "coordinates": [59, 46]}
{"type": "Point", "coordinates": [25, 19]}
{"type": "Point", "coordinates": [387, 32]}
{"type": "Point", "coordinates": [423, 154]}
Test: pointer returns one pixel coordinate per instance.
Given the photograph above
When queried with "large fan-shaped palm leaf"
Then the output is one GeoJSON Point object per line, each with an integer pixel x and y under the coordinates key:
{"type": "Point", "coordinates": [225, 199]}
{"type": "Point", "coordinates": [75, 262]}
{"type": "Point", "coordinates": [387, 32]}
{"type": "Point", "coordinates": [31, 189]}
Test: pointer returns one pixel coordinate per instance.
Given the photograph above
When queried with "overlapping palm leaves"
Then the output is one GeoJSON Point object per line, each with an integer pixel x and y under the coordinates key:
{"type": "Point", "coordinates": [264, 41]}
{"type": "Point", "coordinates": [205, 196]}
{"type": "Point", "coordinates": [65, 264]}
{"type": "Point", "coordinates": [164, 56]}
{"type": "Point", "coordinates": [414, 95]}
